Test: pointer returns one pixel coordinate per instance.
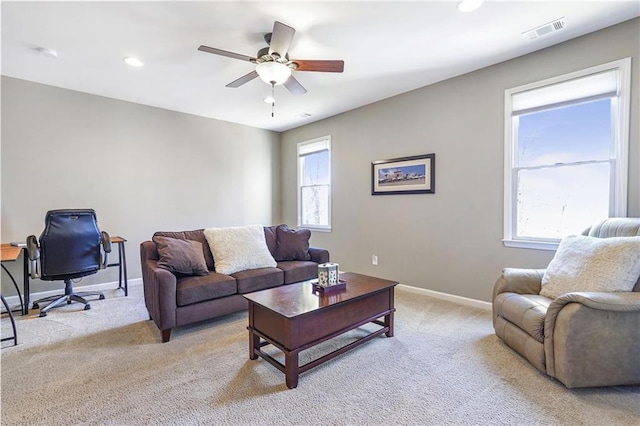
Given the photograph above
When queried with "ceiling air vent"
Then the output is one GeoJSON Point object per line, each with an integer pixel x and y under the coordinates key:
{"type": "Point", "coordinates": [545, 29]}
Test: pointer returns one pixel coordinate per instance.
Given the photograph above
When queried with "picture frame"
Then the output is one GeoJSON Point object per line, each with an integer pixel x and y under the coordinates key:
{"type": "Point", "coordinates": [405, 175]}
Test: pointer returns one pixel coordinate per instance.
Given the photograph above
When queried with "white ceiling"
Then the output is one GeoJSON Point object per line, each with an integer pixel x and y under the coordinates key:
{"type": "Point", "coordinates": [388, 47]}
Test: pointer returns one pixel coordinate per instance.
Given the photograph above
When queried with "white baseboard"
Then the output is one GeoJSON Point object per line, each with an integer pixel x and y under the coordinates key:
{"type": "Point", "coordinates": [448, 297]}
{"type": "Point", "coordinates": [15, 301]}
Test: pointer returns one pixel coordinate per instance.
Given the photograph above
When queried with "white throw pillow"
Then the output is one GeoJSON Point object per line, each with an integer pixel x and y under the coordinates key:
{"type": "Point", "coordinates": [592, 264]}
{"type": "Point", "coordinates": [237, 249]}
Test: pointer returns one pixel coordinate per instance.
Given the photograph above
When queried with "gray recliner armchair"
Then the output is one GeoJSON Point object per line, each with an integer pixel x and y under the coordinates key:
{"type": "Point", "coordinates": [583, 339]}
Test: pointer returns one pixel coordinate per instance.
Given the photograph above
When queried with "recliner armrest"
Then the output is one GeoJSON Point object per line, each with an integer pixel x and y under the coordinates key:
{"type": "Point", "coordinates": [618, 301]}
{"type": "Point", "coordinates": [517, 280]}
{"type": "Point", "coordinates": [583, 329]}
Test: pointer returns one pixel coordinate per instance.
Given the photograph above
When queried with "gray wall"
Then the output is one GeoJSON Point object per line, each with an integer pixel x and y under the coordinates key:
{"type": "Point", "coordinates": [449, 241]}
{"type": "Point", "coordinates": [142, 169]}
{"type": "Point", "coordinates": [145, 169]}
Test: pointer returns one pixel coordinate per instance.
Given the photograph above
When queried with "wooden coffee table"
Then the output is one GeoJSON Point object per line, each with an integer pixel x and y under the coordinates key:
{"type": "Point", "coordinates": [294, 318]}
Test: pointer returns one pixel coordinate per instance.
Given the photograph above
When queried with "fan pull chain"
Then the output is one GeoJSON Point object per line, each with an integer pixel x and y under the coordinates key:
{"type": "Point", "coordinates": [273, 98]}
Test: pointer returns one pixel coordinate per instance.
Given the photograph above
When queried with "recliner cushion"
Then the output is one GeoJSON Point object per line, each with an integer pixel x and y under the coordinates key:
{"type": "Point", "coordinates": [194, 289]}
{"type": "Point", "coordinates": [525, 311]}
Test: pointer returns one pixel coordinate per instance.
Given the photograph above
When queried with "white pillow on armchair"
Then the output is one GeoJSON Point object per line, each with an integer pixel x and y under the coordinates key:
{"type": "Point", "coordinates": [592, 264]}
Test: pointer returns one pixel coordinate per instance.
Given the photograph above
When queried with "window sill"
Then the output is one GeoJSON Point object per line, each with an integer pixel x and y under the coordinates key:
{"type": "Point", "coordinates": [531, 244]}
{"type": "Point", "coordinates": [315, 228]}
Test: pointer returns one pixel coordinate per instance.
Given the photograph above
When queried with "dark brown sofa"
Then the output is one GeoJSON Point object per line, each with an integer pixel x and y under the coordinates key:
{"type": "Point", "coordinates": [175, 299]}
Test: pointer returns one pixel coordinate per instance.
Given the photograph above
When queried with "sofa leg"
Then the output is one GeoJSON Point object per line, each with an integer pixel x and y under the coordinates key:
{"type": "Point", "coordinates": [166, 335]}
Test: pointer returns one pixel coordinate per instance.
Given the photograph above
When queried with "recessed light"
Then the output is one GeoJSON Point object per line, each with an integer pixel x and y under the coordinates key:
{"type": "Point", "coordinates": [134, 62]}
{"type": "Point", "coordinates": [469, 5]}
{"type": "Point", "coordinates": [269, 100]}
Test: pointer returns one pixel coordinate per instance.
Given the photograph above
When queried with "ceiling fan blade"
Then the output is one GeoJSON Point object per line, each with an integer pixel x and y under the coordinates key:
{"type": "Point", "coordinates": [294, 86]}
{"type": "Point", "coordinates": [281, 38]}
{"type": "Point", "coordinates": [244, 79]}
{"type": "Point", "coordinates": [319, 65]}
{"type": "Point", "coordinates": [225, 53]}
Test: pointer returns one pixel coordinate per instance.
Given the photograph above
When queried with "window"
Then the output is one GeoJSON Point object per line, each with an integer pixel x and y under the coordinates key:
{"type": "Point", "coordinates": [314, 184]}
{"type": "Point", "coordinates": [566, 149]}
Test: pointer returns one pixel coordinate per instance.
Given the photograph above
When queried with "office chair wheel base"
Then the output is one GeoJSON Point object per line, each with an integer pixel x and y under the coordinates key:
{"type": "Point", "coordinates": [42, 314]}
{"type": "Point", "coordinates": [35, 306]}
{"type": "Point", "coordinates": [101, 296]}
{"type": "Point", "coordinates": [87, 307]}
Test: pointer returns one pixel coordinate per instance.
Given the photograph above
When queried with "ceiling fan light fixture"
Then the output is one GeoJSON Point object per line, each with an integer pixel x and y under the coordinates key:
{"type": "Point", "coordinates": [273, 73]}
{"type": "Point", "coordinates": [469, 5]}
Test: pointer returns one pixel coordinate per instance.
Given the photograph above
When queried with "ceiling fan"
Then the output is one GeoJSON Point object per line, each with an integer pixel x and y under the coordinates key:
{"type": "Point", "coordinates": [273, 64]}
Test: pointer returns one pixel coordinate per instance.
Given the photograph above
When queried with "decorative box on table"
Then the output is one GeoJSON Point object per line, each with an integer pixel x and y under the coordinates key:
{"type": "Point", "coordinates": [328, 278]}
{"type": "Point", "coordinates": [327, 274]}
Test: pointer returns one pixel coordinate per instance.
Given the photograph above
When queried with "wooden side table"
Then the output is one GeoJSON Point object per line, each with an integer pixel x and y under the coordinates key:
{"type": "Point", "coordinates": [9, 253]}
{"type": "Point", "coordinates": [122, 263]}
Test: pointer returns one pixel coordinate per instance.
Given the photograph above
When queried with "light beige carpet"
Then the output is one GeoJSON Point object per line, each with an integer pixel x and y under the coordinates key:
{"type": "Point", "coordinates": [444, 366]}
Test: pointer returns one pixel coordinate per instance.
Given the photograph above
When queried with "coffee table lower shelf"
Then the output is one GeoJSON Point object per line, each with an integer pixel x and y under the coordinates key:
{"type": "Point", "coordinates": [291, 367]}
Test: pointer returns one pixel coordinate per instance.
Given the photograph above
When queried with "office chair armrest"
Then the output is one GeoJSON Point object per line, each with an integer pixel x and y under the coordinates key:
{"type": "Point", "coordinates": [33, 252]}
{"type": "Point", "coordinates": [106, 247]}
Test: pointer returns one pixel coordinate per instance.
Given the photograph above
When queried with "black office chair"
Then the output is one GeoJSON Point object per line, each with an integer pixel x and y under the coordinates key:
{"type": "Point", "coordinates": [71, 246]}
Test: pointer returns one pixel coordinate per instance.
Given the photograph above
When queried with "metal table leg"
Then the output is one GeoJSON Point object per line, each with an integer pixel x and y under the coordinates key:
{"type": "Point", "coordinates": [13, 321]}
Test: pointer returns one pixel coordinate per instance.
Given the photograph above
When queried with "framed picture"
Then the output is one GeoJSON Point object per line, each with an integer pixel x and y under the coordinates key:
{"type": "Point", "coordinates": [406, 175]}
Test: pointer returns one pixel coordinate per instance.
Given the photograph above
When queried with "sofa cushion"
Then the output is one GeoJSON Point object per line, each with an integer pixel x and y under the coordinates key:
{"type": "Point", "coordinates": [292, 244]}
{"type": "Point", "coordinates": [196, 235]}
{"type": "Point", "coordinates": [239, 248]}
{"type": "Point", "coordinates": [592, 264]}
{"type": "Point", "coordinates": [298, 270]}
{"type": "Point", "coordinates": [181, 256]}
{"type": "Point", "coordinates": [526, 311]}
{"type": "Point", "coordinates": [200, 288]}
{"type": "Point", "coordinates": [258, 279]}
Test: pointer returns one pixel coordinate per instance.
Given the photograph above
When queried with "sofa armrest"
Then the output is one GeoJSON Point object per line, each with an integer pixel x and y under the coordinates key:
{"type": "Point", "coordinates": [319, 255]}
{"type": "Point", "coordinates": [521, 281]}
{"type": "Point", "coordinates": [589, 337]}
{"type": "Point", "coordinates": [160, 287]}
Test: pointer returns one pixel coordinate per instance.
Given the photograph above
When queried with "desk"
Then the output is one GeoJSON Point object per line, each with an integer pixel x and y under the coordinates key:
{"type": "Point", "coordinates": [13, 322]}
{"type": "Point", "coordinates": [10, 253]}
{"type": "Point", "coordinates": [122, 263]}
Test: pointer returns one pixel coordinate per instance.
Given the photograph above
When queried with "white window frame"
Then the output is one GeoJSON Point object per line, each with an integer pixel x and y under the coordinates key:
{"type": "Point", "coordinates": [618, 206]}
{"type": "Point", "coordinates": [326, 141]}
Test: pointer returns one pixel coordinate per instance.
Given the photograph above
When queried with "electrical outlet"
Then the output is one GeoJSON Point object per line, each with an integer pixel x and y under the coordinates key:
{"type": "Point", "coordinates": [374, 260]}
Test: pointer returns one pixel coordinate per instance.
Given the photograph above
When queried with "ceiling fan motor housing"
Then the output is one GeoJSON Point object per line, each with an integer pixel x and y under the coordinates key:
{"type": "Point", "coordinates": [264, 56]}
